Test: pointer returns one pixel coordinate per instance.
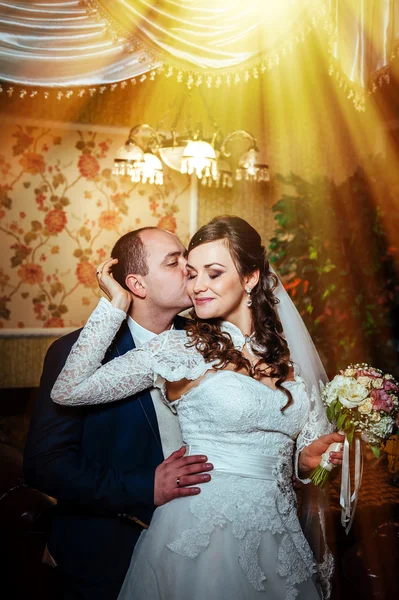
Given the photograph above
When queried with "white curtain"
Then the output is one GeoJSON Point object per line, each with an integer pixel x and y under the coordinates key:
{"type": "Point", "coordinates": [94, 42]}
{"type": "Point", "coordinates": [60, 44]}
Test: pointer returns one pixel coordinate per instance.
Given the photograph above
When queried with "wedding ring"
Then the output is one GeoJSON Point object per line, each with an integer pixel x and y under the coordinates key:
{"type": "Point", "coordinates": [177, 481]}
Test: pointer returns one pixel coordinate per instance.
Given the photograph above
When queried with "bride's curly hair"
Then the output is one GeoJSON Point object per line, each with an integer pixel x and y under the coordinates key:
{"type": "Point", "coordinates": [248, 254]}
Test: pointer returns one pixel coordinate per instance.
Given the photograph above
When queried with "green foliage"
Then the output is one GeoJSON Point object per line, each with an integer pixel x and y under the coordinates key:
{"type": "Point", "coordinates": [331, 249]}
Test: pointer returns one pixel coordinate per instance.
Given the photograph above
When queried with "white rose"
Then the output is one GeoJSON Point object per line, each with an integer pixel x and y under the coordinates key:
{"type": "Point", "coordinates": [352, 394]}
{"type": "Point", "coordinates": [378, 383]}
{"type": "Point", "coordinates": [331, 391]}
{"type": "Point", "coordinates": [349, 372]}
{"type": "Point", "coordinates": [366, 407]}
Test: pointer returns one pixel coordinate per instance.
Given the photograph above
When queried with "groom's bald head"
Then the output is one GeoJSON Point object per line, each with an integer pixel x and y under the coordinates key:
{"type": "Point", "coordinates": [131, 254]}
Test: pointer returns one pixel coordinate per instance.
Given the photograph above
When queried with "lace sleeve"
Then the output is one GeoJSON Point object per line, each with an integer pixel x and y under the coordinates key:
{"type": "Point", "coordinates": [83, 380]}
{"type": "Point", "coordinates": [316, 425]}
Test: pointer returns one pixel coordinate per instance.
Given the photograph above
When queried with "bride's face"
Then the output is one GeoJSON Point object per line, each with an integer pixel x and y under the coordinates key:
{"type": "Point", "coordinates": [214, 284]}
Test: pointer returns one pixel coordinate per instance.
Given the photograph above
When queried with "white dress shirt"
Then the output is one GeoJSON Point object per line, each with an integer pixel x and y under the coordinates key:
{"type": "Point", "coordinates": [168, 424]}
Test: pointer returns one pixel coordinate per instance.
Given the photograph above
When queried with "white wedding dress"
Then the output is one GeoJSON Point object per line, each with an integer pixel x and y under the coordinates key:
{"type": "Point", "coordinates": [240, 538]}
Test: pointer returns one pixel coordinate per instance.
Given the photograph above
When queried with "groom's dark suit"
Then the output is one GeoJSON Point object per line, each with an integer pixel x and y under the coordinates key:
{"type": "Point", "coordinates": [98, 461]}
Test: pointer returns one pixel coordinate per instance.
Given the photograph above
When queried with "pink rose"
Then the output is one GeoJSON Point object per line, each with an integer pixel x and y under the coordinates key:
{"type": "Point", "coordinates": [374, 373]}
{"type": "Point", "coordinates": [367, 373]}
{"type": "Point", "coordinates": [381, 400]}
{"type": "Point", "coordinates": [389, 386]}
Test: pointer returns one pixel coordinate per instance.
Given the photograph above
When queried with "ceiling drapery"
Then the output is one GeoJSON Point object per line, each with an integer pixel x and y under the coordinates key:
{"type": "Point", "coordinates": [97, 42]}
{"type": "Point", "coordinates": [211, 34]}
{"type": "Point", "coordinates": [62, 45]}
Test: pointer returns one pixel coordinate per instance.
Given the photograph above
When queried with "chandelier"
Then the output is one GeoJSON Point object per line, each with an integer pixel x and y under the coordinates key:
{"type": "Point", "coordinates": [146, 149]}
{"type": "Point", "coordinates": [136, 159]}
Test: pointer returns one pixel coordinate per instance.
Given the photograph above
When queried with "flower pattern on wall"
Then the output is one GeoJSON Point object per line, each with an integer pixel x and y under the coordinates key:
{"type": "Point", "coordinates": [61, 211]}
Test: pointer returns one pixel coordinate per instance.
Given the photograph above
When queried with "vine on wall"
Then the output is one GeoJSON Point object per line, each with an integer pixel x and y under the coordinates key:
{"type": "Point", "coordinates": [332, 248]}
{"type": "Point", "coordinates": [61, 211]}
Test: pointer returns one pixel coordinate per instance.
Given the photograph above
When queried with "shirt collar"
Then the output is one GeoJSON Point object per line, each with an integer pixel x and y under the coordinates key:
{"type": "Point", "coordinates": [140, 334]}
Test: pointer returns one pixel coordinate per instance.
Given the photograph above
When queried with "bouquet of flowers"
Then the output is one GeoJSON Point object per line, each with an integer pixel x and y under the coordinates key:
{"type": "Point", "coordinates": [360, 400]}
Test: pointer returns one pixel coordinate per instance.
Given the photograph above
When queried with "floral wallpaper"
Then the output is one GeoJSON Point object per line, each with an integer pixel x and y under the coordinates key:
{"type": "Point", "coordinates": [61, 211]}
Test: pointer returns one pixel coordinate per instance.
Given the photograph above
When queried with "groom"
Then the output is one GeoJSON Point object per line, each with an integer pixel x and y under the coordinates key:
{"type": "Point", "coordinates": [105, 464]}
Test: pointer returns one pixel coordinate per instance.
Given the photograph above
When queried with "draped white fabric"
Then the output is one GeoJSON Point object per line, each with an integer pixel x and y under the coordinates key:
{"type": "Point", "coordinates": [93, 42]}
{"type": "Point", "coordinates": [367, 36]}
{"type": "Point", "coordinates": [57, 44]}
{"type": "Point", "coordinates": [212, 34]}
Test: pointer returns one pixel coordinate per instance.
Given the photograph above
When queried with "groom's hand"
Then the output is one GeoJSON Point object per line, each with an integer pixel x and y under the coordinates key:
{"type": "Point", "coordinates": [178, 471]}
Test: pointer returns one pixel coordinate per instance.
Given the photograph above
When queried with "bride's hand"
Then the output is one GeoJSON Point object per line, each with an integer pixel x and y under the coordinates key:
{"type": "Point", "coordinates": [119, 297]}
{"type": "Point", "coordinates": [310, 456]}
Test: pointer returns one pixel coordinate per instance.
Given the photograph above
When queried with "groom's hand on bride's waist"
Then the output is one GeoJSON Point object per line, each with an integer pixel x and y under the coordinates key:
{"type": "Point", "coordinates": [176, 473]}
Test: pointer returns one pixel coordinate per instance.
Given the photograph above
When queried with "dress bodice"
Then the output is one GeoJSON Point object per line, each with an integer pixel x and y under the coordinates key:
{"type": "Point", "coordinates": [232, 411]}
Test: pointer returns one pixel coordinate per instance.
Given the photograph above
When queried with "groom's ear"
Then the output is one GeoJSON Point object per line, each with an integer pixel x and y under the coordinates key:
{"type": "Point", "coordinates": [136, 285]}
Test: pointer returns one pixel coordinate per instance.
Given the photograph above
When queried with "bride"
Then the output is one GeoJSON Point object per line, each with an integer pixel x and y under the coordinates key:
{"type": "Point", "coordinates": [233, 379]}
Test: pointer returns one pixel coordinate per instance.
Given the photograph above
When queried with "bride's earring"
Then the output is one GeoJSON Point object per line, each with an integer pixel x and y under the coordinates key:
{"type": "Point", "coordinates": [249, 299]}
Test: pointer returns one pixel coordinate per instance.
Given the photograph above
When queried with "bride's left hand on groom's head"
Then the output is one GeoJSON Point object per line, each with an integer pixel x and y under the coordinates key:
{"type": "Point", "coordinates": [118, 296]}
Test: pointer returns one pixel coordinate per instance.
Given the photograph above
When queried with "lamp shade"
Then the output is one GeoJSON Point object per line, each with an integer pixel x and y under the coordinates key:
{"type": "Point", "coordinates": [251, 167]}
{"type": "Point", "coordinates": [151, 169]}
{"type": "Point", "coordinates": [199, 157]}
{"type": "Point", "coordinates": [172, 155]}
{"type": "Point", "coordinates": [125, 158]}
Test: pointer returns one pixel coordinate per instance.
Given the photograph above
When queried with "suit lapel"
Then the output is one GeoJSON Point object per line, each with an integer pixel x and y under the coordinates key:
{"type": "Point", "coordinates": [122, 343]}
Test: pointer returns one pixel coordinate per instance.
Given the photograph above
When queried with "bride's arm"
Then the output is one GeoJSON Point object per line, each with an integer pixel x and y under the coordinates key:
{"type": "Point", "coordinates": [313, 441]}
{"type": "Point", "coordinates": [83, 380]}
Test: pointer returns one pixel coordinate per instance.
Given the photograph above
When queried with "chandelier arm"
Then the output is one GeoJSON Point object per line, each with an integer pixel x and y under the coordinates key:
{"type": "Point", "coordinates": [135, 131]}
{"type": "Point", "coordinates": [214, 138]}
{"type": "Point", "coordinates": [235, 135]}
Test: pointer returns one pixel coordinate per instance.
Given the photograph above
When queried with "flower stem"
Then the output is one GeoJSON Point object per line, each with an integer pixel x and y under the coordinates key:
{"type": "Point", "coordinates": [319, 476]}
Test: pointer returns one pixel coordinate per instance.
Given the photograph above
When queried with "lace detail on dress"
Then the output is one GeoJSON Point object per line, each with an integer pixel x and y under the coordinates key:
{"type": "Point", "coordinates": [317, 425]}
{"type": "Point", "coordinates": [82, 381]}
{"type": "Point", "coordinates": [295, 561]}
{"type": "Point", "coordinates": [250, 510]}
{"type": "Point", "coordinates": [173, 359]}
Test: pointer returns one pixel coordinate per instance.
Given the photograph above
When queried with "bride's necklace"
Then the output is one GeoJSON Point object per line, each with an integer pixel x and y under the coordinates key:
{"type": "Point", "coordinates": [248, 339]}
{"type": "Point", "coordinates": [241, 340]}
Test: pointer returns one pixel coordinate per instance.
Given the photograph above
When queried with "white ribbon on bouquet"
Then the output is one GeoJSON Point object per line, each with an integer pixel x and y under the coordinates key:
{"type": "Point", "coordinates": [347, 500]}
